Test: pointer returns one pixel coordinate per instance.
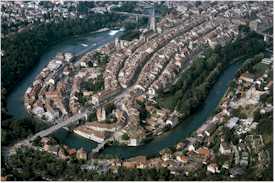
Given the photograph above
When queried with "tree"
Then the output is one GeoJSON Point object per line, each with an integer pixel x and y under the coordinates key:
{"type": "Point", "coordinates": [125, 136]}
{"type": "Point", "coordinates": [37, 142]}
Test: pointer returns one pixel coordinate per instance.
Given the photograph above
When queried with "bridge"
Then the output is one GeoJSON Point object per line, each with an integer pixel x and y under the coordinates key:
{"type": "Point", "coordinates": [27, 142]}
{"type": "Point", "coordinates": [132, 14]}
{"type": "Point", "coordinates": [60, 124]}
{"type": "Point", "coordinates": [69, 121]}
{"type": "Point", "coordinates": [101, 146]}
{"type": "Point", "coordinates": [262, 32]}
{"type": "Point", "coordinates": [152, 16]}
{"type": "Point", "coordinates": [266, 35]}
{"type": "Point", "coordinates": [110, 139]}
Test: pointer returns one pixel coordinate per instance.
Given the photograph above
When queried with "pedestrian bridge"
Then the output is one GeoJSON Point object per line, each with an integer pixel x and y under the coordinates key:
{"type": "Point", "coordinates": [101, 146]}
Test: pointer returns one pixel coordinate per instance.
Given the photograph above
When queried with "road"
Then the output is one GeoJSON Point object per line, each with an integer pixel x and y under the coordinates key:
{"type": "Point", "coordinates": [62, 123]}
{"type": "Point", "coordinates": [261, 32]}
{"type": "Point", "coordinates": [132, 14]}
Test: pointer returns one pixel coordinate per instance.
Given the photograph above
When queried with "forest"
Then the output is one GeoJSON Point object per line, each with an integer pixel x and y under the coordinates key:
{"type": "Point", "coordinates": [192, 88]}
{"type": "Point", "coordinates": [23, 50]}
{"type": "Point", "coordinates": [32, 165]}
{"type": "Point", "coordinates": [21, 53]}
{"type": "Point", "coordinates": [13, 130]}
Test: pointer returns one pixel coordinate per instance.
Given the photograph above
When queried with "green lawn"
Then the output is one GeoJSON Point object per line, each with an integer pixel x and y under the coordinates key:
{"type": "Point", "coordinates": [170, 101]}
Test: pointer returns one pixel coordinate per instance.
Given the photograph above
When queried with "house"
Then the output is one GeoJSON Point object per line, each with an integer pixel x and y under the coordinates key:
{"type": "Point", "coordinates": [166, 154]}
{"type": "Point", "coordinates": [129, 165]}
{"type": "Point", "coordinates": [83, 64]}
{"type": "Point", "coordinates": [254, 24]}
{"type": "Point", "coordinates": [182, 158]}
{"type": "Point", "coordinates": [191, 147]}
{"type": "Point", "coordinates": [105, 94]}
{"type": "Point", "coordinates": [269, 85]}
{"type": "Point", "coordinates": [133, 142]}
{"type": "Point", "coordinates": [213, 168]}
{"type": "Point", "coordinates": [68, 56]}
{"type": "Point", "coordinates": [135, 135]}
{"type": "Point", "coordinates": [72, 152]}
{"type": "Point", "coordinates": [226, 165]}
{"type": "Point", "coordinates": [87, 93]}
{"type": "Point", "coordinates": [267, 61]}
{"type": "Point", "coordinates": [66, 71]}
{"type": "Point", "coordinates": [154, 163]}
{"type": "Point", "coordinates": [81, 154]}
{"type": "Point", "coordinates": [51, 81]}
{"type": "Point", "coordinates": [101, 127]}
{"type": "Point", "coordinates": [101, 114]}
{"type": "Point", "coordinates": [97, 136]}
{"type": "Point", "coordinates": [181, 146]}
{"type": "Point", "coordinates": [172, 120]}
{"type": "Point", "coordinates": [232, 122]}
{"type": "Point", "coordinates": [45, 140]}
{"type": "Point", "coordinates": [247, 78]}
{"type": "Point", "coordinates": [61, 154]}
{"type": "Point", "coordinates": [203, 152]}
{"type": "Point", "coordinates": [38, 110]}
{"type": "Point", "coordinates": [136, 162]}
{"type": "Point", "coordinates": [51, 149]}
{"type": "Point", "coordinates": [225, 148]}
{"type": "Point", "coordinates": [236, 172]}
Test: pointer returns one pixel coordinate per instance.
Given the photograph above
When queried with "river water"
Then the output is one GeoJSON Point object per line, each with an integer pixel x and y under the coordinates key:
{"type": "Point", "coordinates": [75, 45]}
{"type": "Point", "coordinates": [168, 139]}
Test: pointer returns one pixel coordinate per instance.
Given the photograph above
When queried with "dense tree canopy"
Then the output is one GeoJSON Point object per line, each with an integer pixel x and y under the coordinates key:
{"type": "Point", "coordinates": [23, 50]}
{"type": "Point", "coordinates": [193, 86]}
{"type": "Point", "coordinates": [13, 130]}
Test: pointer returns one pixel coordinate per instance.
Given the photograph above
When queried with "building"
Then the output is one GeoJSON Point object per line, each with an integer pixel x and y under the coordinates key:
{"type": "Point", "coordinates": [93, 135]}
{"type": "Point", "coordinates": [61, 154]}
{"type": "Point", "coordinates": [247, 78]}
{"type": "Point", "coordinates": [72, 152]}
{"type": "Point", "coordinates": [101, 114]}
{"type": "Point", "coordinates": [104, 95]}
{"type": "Point", "coordinates": [101, 127]}
{"type": "Point", "coordinates": [135, 162]}
{"type": "Point", "coordinates": [203, 152]}
{"type": "Point", "coordinates": [232, 122]}
{"type": "Point", "coordinates": [68, 56]}
{"type": "Point", "coordinates": [81, 154]}
{"type": "Point", "coordinates": [213, 168]}
{"type": "Point", "coordinates": [134, 142]}
{"type": "Point", "coordinates": [254, 25]}
{"type": "Point", "coordinates": [182, 158]}
{"type": "Point", "coordinates": [267, 61]}
{"type": "Point", "coordinates": [225, 149]}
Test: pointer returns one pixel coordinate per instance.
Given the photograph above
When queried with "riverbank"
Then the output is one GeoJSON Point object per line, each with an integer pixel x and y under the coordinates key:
{"type": "Point", "coordinates": [168, 139]}
{"type": "Point", "coordinates": [172, 137]}
{"type": "Point", "coordinates": [15, 104]}
{"type": "Point", "coordinates": [30, 46]}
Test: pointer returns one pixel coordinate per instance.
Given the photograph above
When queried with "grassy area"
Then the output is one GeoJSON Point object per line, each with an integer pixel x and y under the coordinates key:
{"type": "Point", "coordinates": [169, 101]}
{"type": "Point", "coordinates": [249, 110]}
{"type": "Point", "coordinates": [260, 69]}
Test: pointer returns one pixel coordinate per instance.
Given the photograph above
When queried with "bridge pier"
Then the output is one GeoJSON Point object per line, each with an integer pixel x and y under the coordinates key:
{"type": "Point", "coordinates": [93, 155]}
{"type": "Point", "coordinates": [152, 23]}
{"type": "Point", "coordinates": [86, 117]}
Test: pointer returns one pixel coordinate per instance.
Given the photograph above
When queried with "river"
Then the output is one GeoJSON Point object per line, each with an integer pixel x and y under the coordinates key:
{"type": "Point", "coordinates": [168, 139]}
{"type": "Point", "coordinates": [75, 45]}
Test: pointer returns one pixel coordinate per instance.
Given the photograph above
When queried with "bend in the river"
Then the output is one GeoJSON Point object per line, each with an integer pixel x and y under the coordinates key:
{"type": "Point", "coordinates": [15, 100]}
{"type": "Point", "coordinates": [16, 107]}
{"type": "Point", "coordinates": [168, 139]}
